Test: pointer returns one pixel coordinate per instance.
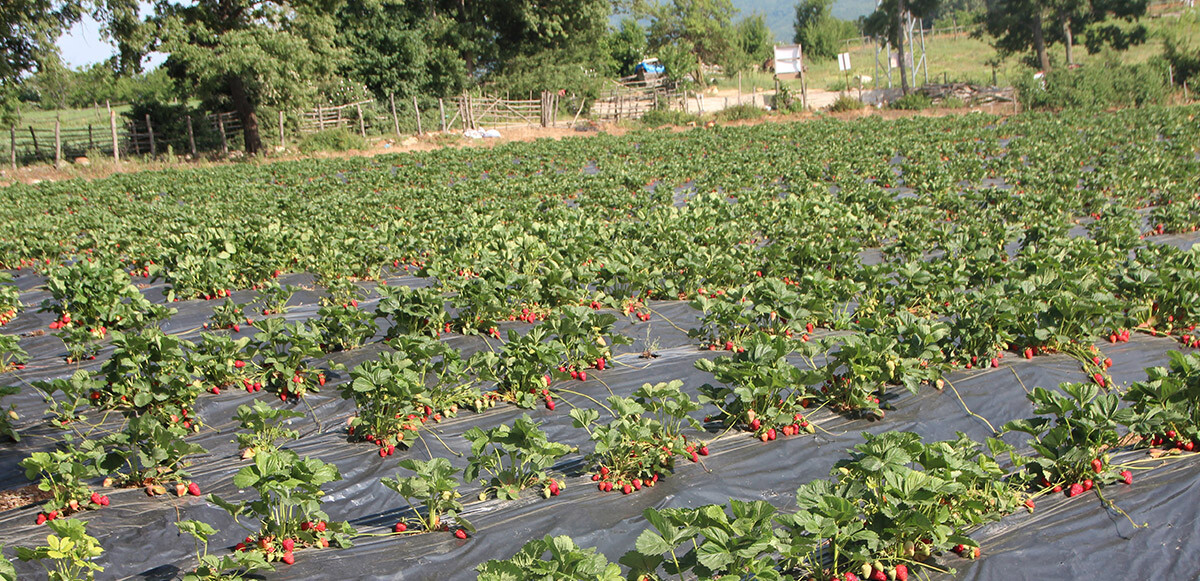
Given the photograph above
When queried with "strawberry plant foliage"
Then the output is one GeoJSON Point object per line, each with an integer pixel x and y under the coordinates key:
{"type": "Point", "coordinates": [514, 457]}
{"type": "Point", "coordinates": [265, 426]}
{"type": "Point", "coordinates": [68, 553]}
{"type": "Point", "coordinates": [431, 493]}
{"type": "Point", "coordinates": [1071, 443]}
{"type": "Point", "coordinates": [551, 559]}
{"type": "Point", "coordinates": [1166, 407]}
{"type": "Point", "coordinates": [762, 391]}
{"type": "Point", "coordinates": [411, 311]}
{"type": "Point", "coordinates": [224, 568]}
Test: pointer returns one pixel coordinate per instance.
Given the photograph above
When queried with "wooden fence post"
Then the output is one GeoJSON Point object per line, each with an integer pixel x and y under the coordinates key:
{"type": "Point", "coordinates": [221, 129]}
{"type": "Point", "coordinates": [112, 123]}
{"type": "Point", "coordinates": [36, 153]}
{"type": "Point", "coordinates": [442, 111]}
{"type": "Point", "coordinates": [133, 137]}
{"type": "Point", "coordinates": [282, 144]}
{"type": "Point", "coordinates": [12, 147]}
{"type": "Point", "coordinates": [739, 101]}
{"type": "Point", "coordinates": [57, 144]}
{"type": "Point", "coordinates": [417, 111]}
{"type": "Point", "coordinates": [91, 138]}
{"type": "Point", "coordinates": [320, 119]}
{"type": "Point", "coordinates": [395, 119]}
{"type": "Point", "coordinates": [191, 136]}
{"type": "Point", "coordinates": [150, 132]}
{"type": "Point", "coordinates": [362, 125]}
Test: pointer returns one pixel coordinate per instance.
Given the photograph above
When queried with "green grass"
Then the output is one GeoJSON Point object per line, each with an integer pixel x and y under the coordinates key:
{"type": "Point", "coordinates": [41, 119]}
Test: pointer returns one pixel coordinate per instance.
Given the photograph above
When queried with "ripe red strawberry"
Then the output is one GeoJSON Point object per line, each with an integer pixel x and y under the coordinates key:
{"type": "Point", "coordinates": [1099, 379]}
{"type": "Point", "coordinates": [104, 500]}
{"type": "Point", "coordinates": [703, 450]}
{"type": "Point", "coordinates": [574, 374]}
{"type": "Point", "coordinates": [1029, 503]}
{"type": "Point", "coordinates": [554, 490]}
{"type": "Point", "coordinates": [1057, 488]}
{"type": "Point", "coordinates": [41, 518]}
{"type": "Point", "coordinates": [400, 527]}
{"type": "Point", "coordinates": [1096, 359]}
{"type": "Point", "coordinates": [193, 489]}
{"type": "Point", "coordinates": [1108, 362]}
{"type": "Point", "coordinates": [995, 362]}
{"type": "Point", "coordinates": [1127, 477]}
{"type": "Point", "coordinates": [237, 328]}
{"type": "Point", "coordinates": [771, 434]}
{"type": "Point", "coordinates": [1028, 353]}
{"type": "Point", "coordinates": [600, 364]}
{"type": "Point", "coordinates": [901, 573]}
{"type": "Point", "coordinates": [550, 404]}
{"type": "Point", "coordinates": [850, 576]}
{"type": "Point", "coordinates": [304, 526]}
{"type": "Point", "coordinates": [754, 424]}
{"type": "Point", "coordinates": [1075, 490]}
{"type": "Point", "coordinates": [320, 527]}
{"type": "Point", "coordinates": [1097, 465]}
{"type": "Point", "coordinates": [288, 545]}
{"type": "Point", "coordinates": [878, 575]}
{"type": "Point", "coordinates": [95, 498]}
{"type": "Point", "coordinates": [460, 533]}
{"type": "Point", "coordinates": [1171, 434]}
{"type": "Point", "coordinates": [809, 327]}
{"type": "Point", "coordinates": [289, 558]}
{"type": "Point", "coordinates": [582, 376]}
{"type": "Point", "coordinates": [239, 547]}
{"type": "Point", "coordinates": [1087, 485]}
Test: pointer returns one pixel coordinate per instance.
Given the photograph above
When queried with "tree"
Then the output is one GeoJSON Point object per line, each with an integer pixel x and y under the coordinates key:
{"type": "Point", "coordinates": [753, 41]}
{"type": "Point", "coordinates": [1021, 25]}
{"type": "Point", "coordinates": [704, 25]}
{"type": "Point", "coordinates": [627, 46]}
{"type": "Point", "coordinates": [818, 31]}
{"type": "Point", "coordinates": [249, 53]}
{"type": "Point", "coordinates": [889, 22]}
{"type": "Point", "coordinates": [402, 48]}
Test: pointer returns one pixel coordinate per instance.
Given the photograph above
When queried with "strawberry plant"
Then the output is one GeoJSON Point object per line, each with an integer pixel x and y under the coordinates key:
{"type": "Point", "coordinates": [515, 457]}
{"type": "Point", "coordinates": [551, 559]}
{"type": "Point", "coordinates": [273, 297]}
{"type": "Point", "coordinates": [285, 352]}
{"type": "Point", "coordinates": [197, 263]}
{"type": "Point", "coordinates": [1071, 446]}
{"type": "Point", "coordinates": [12, 356]}
{"type": "Point", "coordinates": [265, 427]}
{"type": "Point", "coordinates": [718, 543]}
{"type": "Point", "coordinates": [63, 473]}
{"type": "Point", "coordinates": [68, 553]}
{"type": "Point", "coordinates": [8, 416]}
{"type": "Point", "coordinates": [344, 327]}
{"type": "Point", "coordinates": [233, 567]}
{"type": "Point", "coordinates": [286, 510]}
{"type": "Point", "coordinates": [730, 319]}
{"type": "Point", "coordinates": [397, 393]}
{"type": "Point", "coordinates": [762, 392]}
{"type": "Point", "coordinates": [431, 493]}
{"type": "Point", "coordinates": [586, 337]}
{"type": "Point", "coordinates": [220, 361]}
{"type": "Point", "coordinates": [1165, 408]}
{"type": "Point", "coordinates": [10, 299]}
{"type": "Point", "coordinates": [411, 311]}
{"type": "Point", "coordinates": [228, 315]}
{"type": "Point", "coordinates": [94, 296]}
{"type": "Point", "coordinates": [639, 445]}
{"type": "Point", "coordinates": [522, 369]}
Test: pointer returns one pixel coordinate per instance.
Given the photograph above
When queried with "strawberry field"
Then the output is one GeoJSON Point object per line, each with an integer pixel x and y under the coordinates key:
{"type": "Point", "coordinates": [953, 348]}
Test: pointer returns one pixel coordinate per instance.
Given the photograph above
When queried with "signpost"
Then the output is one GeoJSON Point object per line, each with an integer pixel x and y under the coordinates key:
{"type": "Point", "coordinates": [789, 60]}
{"type": "Point", "coordinates": [844, 66]}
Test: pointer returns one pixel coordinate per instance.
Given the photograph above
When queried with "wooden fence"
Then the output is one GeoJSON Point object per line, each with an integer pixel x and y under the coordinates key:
{"type": "Point", "coordinates": [632, 99]}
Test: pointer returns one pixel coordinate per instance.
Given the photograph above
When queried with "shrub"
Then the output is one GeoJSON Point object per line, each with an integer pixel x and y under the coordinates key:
{"type": "Point", "coordinates": [660, 117]}
{"type": "Point", "coordinates": [740, 112]}
{"type": "Point", "coordinates": [912, 102]}
{"type": "Point", "coordinates": [844, 103]}
{"type": "Point", "coordinates": [332, 140]}
{"type": "Point", "coordinates": [1112, 84]}
{"type": "Point", "coordinates": [952, 103]}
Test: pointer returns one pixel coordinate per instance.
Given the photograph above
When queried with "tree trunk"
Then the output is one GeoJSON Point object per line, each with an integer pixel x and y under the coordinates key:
{"type": "Point", "coordinates": [900, 32]}
{"type": "Point", "coordinates": [1039, 42]}
{"type": "Point", "coordinates": [1069, 40]}
{"type": "Point", "coordinates": [241, 102]}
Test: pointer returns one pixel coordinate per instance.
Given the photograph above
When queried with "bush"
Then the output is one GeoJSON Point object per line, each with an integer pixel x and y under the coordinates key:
{"type": "Point", "coordinates": [660, 117]}
{"type": "Point", "coordinates": [1111, 84]}
{"type": "Point", "coordinates": [952, 103]}
{"type": "Point", "coordinates": [332, 140]}
{"type": "Point", "coordinates": [741, 112]}
{"type": "Point", "coordinates": [912, 102]}
{"type": "Point", "coordinates": [844, 103]}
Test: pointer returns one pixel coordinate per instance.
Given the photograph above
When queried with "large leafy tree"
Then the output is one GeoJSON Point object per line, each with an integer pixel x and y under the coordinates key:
{"type": "Point", "coordinates": [404, 48]}
{"type": "Point", "coordinates": [818, 31]}
{"type": "Point", "coordinates": [1021, 25]}
{"type": "Point", "coordinates": [249, 53]}
{"type": "Point", "coordinates": [703, 26]}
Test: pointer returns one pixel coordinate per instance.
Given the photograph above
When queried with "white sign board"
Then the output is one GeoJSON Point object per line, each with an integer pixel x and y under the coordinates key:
{"type": "Point", "coordinates": [844, 61]}
{"type": "Point", "coordinates": [788, 59]}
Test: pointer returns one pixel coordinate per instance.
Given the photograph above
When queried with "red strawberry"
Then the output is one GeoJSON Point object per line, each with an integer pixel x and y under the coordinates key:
{"type": "Point", "coordinates": [1171, 434]}
{"type": "Point", "coordinates": [1096, 359]}
{"type": "Point", "coordinates": [289, 558]}
{"type": "Point", "coordinates": [703, 450]}
{"type": "Point", "coordinates": [901, 573]}
{"type": "Point", "coordinates": [995, 362]}
{"type": "Point", "coordinates": [1028, 353]}
{"type": "Point", "coordinates": [320, 527]}
{"type": "Point", "coordinates": [289, 544]}
{"type": "Point", "coordinates": [41, 518]}
{"type": "Point", "coordinates": [554, 490]}
{"type": "Point", "coordinates": [1087, 485]}
{"type": "Point", "coordinates": [878, 575]}
{"type": "Point", "coordinates": [1076, 489]}
{"type": "Point", "coordinates": [304, 526]}
{"type": "Point", "coordinates": [104, 500]}
{"type": "Point", "coordinates": [1097, 465]}
{"type": "Point", "coordinates": [600, 364]}
{"type": "Point", "coordinates": [1107, 362]}
{"type": "Point", "coordinates": [460, 533]}
{"type": "Point", "coordinates": [1127, 476]}
{"type": "Point", "coordinates": [549, 404]}
{"type": "Point", "coordinates": [239, 547]}
{"type": "Point", "coordinates": [582, 376]}
{"type": "Point", "coordinates": [400, 527]}
{"type": "Point", "coordinates": [1029, 503]}
{"type": "Point", "coordinates": [95, 498]}
{"type": "Point", "coordinates": [1099, 379]}
{"type": "Point", "coordinates": [754, 424]}
{"type": "Point", "coordinates": [729, 345]}
{"type": "Point", "coordinates": [809, 327]}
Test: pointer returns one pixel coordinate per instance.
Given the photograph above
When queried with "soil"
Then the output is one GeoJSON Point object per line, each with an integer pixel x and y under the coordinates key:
{"type": "Point", "coordinates": [24, 496]}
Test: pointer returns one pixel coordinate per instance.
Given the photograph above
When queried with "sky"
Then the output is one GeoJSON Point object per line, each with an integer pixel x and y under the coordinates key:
{"type": "Point", "coordinates": [81, 46]}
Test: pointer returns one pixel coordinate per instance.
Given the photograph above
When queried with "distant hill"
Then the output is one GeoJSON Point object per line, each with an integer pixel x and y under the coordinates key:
{"type": "Point", "coordinates": [781, 14]}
